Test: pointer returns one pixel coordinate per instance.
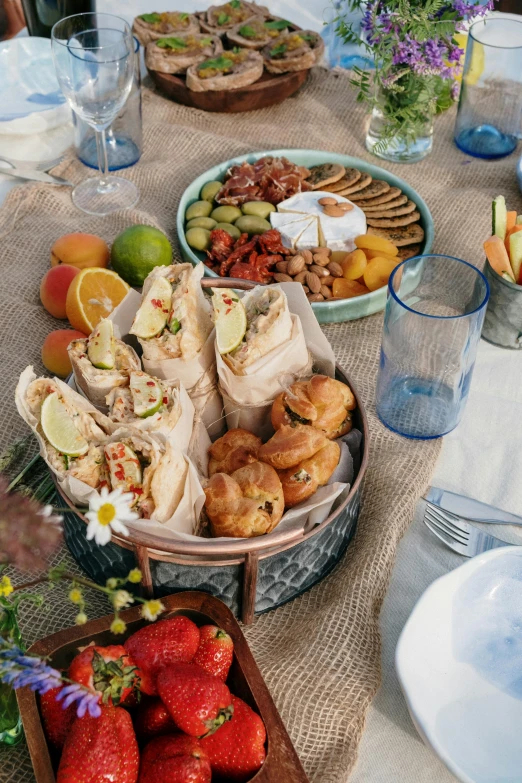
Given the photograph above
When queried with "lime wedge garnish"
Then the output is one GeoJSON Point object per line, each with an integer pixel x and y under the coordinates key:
{"type": "Point", "coordinates": [154, 312]}
{"type": "Point", "coordinates": [101, 349]}
{"type": "Point", "coordinates": [230, 319]}
{"type": "Point", "coordinates": [124, 467]}
{"type": "Point", "coordinates": [147, 394]}
{"type": "Point", "coordinates": [58, 427]}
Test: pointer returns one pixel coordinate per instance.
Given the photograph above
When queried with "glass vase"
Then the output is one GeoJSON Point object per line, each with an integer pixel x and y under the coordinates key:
{"type": "Point", "coordinates": [11, 730]}
{"type": "Point", "coordinates": [399, 148]}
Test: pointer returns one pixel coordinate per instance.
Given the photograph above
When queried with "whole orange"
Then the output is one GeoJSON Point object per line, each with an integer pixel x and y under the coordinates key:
{"type": "Point", "coordinates": [80, 250]}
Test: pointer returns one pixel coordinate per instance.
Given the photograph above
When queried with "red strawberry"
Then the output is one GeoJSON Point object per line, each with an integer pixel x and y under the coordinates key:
{"type": "Point", "coordinates": [160, 644]}
{"type": "Point", "coordinates": [198, 702]}
{"type": "Point", "coordinates": [237, 750]}
{"type": "Point", "coordinates": [108, 670]}
{"type": "Point", "coordinates": [56, 720]}
{"type": "Point", "coordinates": [152, 719]}
{"type": "Point", "coordinates": [174, 759]}
{"type": "Point", "coordinates": [100, 749]}
{"type": "Point", "coordinates": [215, 651]}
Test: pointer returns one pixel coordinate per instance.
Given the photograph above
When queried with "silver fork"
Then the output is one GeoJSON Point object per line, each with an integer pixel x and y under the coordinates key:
{"type": "Point", "coordinates": [44, 165]}
{"type": "Point", "coordinates": [460, 536]}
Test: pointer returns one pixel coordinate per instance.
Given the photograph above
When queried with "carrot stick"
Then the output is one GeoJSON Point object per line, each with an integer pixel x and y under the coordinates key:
{"type": "Point", "coordinates": [497, 256]}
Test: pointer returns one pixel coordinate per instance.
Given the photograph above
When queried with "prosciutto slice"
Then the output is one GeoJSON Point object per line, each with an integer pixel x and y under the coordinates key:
{"type": "Point", "coordinates": [268, 179]}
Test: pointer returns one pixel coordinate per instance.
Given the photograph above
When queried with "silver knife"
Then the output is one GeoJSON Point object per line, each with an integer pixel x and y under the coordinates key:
{"type": "Point", "coordinates": [471, 509]}
{"type": "Point", "coordinates": [35, 176]}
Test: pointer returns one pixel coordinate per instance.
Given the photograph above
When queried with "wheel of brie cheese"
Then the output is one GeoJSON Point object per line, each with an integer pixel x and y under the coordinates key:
{"type": "Point", "coordinates": [303, 224]}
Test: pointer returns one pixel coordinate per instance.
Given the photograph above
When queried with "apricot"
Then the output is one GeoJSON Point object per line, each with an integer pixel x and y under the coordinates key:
{"type": "Point", "coordinates": [54, 286]}
{"type": "Point", "coordinates": [354, 265]}
{"type": "Point", "coordinates": [346, 289]}
{"type": "Point", "coordinates": [80, 250]}
{"type": "Point", "coordinates": [377, 272]}
{"type": "Point", "coordinates": [379, 254]}
{"type": "Point", "coordinates": [54, 351]}
{"type": "Point", "coordinates": [371, 242]}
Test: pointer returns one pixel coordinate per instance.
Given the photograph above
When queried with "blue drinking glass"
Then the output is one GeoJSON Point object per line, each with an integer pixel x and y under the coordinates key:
{"type": "Point", "coordinates": [490, 107]}
{"type": "Point", "coordinates": [432, 324]}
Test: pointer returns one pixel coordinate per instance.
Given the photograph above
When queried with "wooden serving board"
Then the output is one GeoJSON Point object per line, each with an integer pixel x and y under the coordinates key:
{"type": "Point", "coordinates": [268, 90]}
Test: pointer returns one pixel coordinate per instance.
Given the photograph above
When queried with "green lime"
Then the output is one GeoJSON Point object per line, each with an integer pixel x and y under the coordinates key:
{"type": "Point", "coordinates": [147, 395]}
{"type": "Point", "coordinates": [58, 427]}
{"type": "Point", "coordinates": [229, 318]}
{"type": "Point", "coordinates": [154, 311]}
{"type": "Point", "coordinates": [137, 250]}
{"type": "Point", "coordinates": [101, 349]}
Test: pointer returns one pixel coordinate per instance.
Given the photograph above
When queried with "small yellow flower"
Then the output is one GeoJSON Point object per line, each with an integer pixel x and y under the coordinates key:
{"type": "Point", "coordinates": [135, 576]}
{"type": "Point", "coordinates": [118, 626]}
{"type": "Point", "coordinates": [112, 583]}
{"type": "Point", "coordinates": [81, 618]}
{"type": "Point", "coordinates": [151, 609]}
{"type": "Point", "coordinates": [75, 595]}
{"type": "Point", "coordinates": [6, 588]}
{"type": "Point", "coordinates": [121, 599]}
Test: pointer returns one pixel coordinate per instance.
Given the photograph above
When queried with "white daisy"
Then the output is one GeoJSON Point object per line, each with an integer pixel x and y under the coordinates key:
{"type": "Point", "coordinates": [108, 511]}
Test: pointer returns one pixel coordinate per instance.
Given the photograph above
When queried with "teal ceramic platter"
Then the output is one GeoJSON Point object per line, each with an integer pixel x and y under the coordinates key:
{"type": "Point", "coordinates": [326, 312]}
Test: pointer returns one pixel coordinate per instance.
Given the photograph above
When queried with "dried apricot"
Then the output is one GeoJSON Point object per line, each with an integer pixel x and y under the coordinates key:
{"type": "Point", "coordinates": [377, 272]}
{"type": "Point", "coordinates": [354, 264]}
{"type": "Point", "coordinates": [347, 288]}
{"type": "Point", "coordinates": [379, 254]}
{"type": "Point", "coordinates": [371, 242]}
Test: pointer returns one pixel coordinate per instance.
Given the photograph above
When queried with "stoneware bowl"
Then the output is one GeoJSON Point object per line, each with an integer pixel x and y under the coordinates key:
{"type": "Point", "coordinates": [459, 662]}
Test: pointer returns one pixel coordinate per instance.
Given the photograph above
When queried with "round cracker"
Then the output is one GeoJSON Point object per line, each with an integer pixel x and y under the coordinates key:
{"type": "Point", "coordinates": [324, 174]}
{"type": "Point", "coordinates": [396, 202]}
{"type": "Point", "coordinates": [401, 235]}
{"type": "Point", "coordinates": [376, 188]}
{"type": "Point", "coordinates": [408, 251]}
{"type": "Point", "coordinates": [351, 176]}
{"type": "Point", "coordinates": [365, 180]}
{"type": "Point", "coordinates": [392, 222]}
{"type": "Point", "coordinates": [381, 212]}
{"type": "Point", "coordinates": [390, 194]}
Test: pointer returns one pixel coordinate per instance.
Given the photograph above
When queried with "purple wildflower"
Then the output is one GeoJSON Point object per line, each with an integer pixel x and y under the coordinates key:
{"type": "Point", "coordinates": [19, 670]}
{"type": "Point", "coordinates": [468, 10]}
{"type": "Point", "coordinates": [455, 91]}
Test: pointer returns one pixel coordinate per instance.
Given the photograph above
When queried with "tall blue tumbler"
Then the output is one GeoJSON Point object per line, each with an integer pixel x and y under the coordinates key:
{"type": "Point", "coordinates": [432, 325]}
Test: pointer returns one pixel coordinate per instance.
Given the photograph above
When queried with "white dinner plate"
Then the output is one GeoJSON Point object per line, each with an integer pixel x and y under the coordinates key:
{"type": "Point", "coordinates": [459, 662]}
{"type": "Point", "coordinates": [30, 97]}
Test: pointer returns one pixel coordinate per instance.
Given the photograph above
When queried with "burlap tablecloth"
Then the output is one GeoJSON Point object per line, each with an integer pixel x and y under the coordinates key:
{"type": "Point", "coordinates": [320, 654]}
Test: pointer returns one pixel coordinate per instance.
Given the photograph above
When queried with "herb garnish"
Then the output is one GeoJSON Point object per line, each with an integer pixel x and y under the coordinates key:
{"type": "Point", "coordinates": [220, 63]}
{"type": "Point", "coordinates": [151, 18]}
{"type": "Point", "coordinates": [223, 19]}
{"type": "Point", "coordinates": [171, 43]}
{"type": "Point", "coordinates": [278, 51]}
{"type": "Point", "coordinates": [206, 41]}
{"type": "Point", "coordinates": [183, 17]}
{"type": "Point", "coordinates": [247, 31]}
{"type": "Point", "coordinates": [235, 4]}
{"type": "Point", "coordinates": [277, 24]}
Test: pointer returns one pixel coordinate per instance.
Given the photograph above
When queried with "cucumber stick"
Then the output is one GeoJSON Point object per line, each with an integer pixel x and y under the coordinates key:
{"type": "Point", "coordinates": [499, 217]}
{"type": "Point", "coordinates": [515, 253]}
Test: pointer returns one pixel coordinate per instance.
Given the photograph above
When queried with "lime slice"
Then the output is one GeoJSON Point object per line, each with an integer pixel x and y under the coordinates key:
{"type": "Point", "coordinates": [124, 467]}
{"type": "Point", "coordinates": [101, 349]}
{"type": "Point", "coordinates": [154, 312]}
{"type": "Point", "coordinates": [230, 319]}
{"type": "Point", "coordinates": [58, 427]}
{"type": "Point", "coordinates": [147, 394]}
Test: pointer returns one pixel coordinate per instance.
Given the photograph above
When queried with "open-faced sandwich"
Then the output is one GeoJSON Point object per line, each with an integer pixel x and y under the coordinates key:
{"type": "Point", "coordinates": [293, 52]}
{"type": "Point", "coordinates": [101, 363]}
{"type": "Point", "coordinates": [150, 27]}
{"type": "Point", "coordinates": [177, 53]}
{"type": "Point", "coordinates": [229, 71]}
{"type": "Point", "coordinates": [258, 31]}
{"type": "Point", "coordinates": [220, 18]}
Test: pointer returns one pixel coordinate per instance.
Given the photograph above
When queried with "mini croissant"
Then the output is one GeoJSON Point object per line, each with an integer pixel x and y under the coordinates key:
{"type": "Point", "coordinates": [248, 503]}
{"type": "Point", "coordinates": [321, 402]}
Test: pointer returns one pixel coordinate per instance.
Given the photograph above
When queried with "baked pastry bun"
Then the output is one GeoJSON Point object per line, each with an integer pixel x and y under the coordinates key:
{"type": "Point", "coordinates": [234, 450]}
{"type": "Point", "coordinates": [300, 482]}
{"type": "Point", "coordinates": [321, 402]}
{"type": "Point", "coordinates": [248, 503]}
{"type": "Point", "coordinates": [290, 445]}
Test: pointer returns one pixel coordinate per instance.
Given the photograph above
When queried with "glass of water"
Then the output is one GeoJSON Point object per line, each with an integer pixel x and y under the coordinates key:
{"type": "Point", "coordinates": [432, 325]}
{"type": "Point", "coordinates": [94, 59]}
{"type": "Point", "coordinates": [490, 108]}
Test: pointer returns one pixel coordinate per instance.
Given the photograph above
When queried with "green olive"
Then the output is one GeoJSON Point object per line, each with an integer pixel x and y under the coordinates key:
{"type": "Point", "coordinates": [230, 229]}
{"type": "Point", "coordinates": [226, 214]}
{"type": "Point", "coordinates": [210, 190]}
{"type": "Point", "coordinates": [198, 238]}
{"type": "Point", "coordinates": [250, 224]}
{"type": "Point", "coordinates": [260, 209]}
{"type": "Point", "coordinates": [198, 209]}
{"type": "Point", "coordinates": [202, 222]}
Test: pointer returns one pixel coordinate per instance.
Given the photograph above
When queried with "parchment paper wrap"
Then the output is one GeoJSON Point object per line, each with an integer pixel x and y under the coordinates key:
{"type": "Point", "coordinates": [97, 384]}
{"type": "Point", "coordinates": [248, 398]}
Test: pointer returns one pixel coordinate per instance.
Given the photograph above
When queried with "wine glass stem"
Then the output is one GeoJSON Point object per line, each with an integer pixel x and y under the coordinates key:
{"type": "Point", "coordinates": [103, 163]}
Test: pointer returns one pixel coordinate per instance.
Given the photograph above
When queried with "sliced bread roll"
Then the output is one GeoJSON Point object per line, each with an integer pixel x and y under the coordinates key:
{"type": "Point", "coordinates": [294, 52]}
{"type": "Point", "coordinates": [218, 19]}
{"type": "Point", "coordinates": [257, 32]}
{"type": "Point", "coordinates": [229, 71]}
{"type": "Point", "coordinates": [151, 27]}
{"type": "Point", "coordinates": [176, 54]}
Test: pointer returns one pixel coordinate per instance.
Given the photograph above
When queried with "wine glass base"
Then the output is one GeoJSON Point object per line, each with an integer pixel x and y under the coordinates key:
{"type": "Point", "coordinates": [97, 198]}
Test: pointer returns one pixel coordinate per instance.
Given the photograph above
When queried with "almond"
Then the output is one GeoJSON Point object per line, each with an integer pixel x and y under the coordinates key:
{"type": "Point", "coordinates": [345, 207]}
{"type": "Point", "coordinates": [313, 282]}
{"type": "Point", "coordinates": [301, 277]}
{"type": "Point", "coordinates": [280, 277]}
{"type": "Point", "coordinates": [320, 271]}
{"type": "Point", "coordinates": [321, 259]}
{"type": "Point", "coordinates": [335, 269]}
{"type": "Point", "coordinates": [333, 211]}
{"type": "Point", "coordinates": [327, 201]}
{"type": "Point", "coordinates": [321, 250]}
{"type": "Point", "coordinates": [326, 292]}
{"type": "Point", "coordinates": [295, 265]}
{"type": "Point", "coordinates": [308, 256]}
{"type": "Point", "coordinates": [315, 297]}
{"type": "Point", "coordinates": [306, 289]}
{"type": "Point", "coordinates": [281, 266]}
{"type": "Point", "coordinates": [327, 280]}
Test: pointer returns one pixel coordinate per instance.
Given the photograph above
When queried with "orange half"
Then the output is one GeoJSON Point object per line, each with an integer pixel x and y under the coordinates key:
{"type": "Point", "coordinates": [93, 295]}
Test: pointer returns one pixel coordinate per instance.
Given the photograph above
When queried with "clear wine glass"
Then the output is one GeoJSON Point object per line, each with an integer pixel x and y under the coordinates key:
{"type": "Point", "coordinates": [94, 59]}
